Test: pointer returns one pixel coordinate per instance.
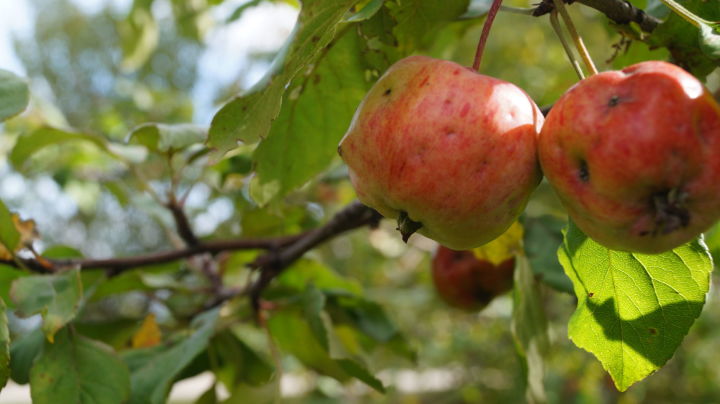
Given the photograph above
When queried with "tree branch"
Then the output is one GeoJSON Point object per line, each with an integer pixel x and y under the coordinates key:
{"type": "Point", "coordinates": [274, 262]}
{"type": "Point", "coordinates": [619, 11]}
{"type": "Point", "coordinates": [181, 221]}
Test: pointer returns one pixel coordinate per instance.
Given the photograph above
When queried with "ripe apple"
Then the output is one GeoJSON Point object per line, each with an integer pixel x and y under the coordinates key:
{"type": "Point", "coordinates": [466, 282]}
{"type": "Point", "coordinates": [634, 155]}
{"type": "Point", "coordinates": [445, 150]}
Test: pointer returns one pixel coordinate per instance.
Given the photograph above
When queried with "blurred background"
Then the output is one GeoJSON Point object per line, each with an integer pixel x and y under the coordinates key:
{"type": "Point", "coordinates": [106, 66]}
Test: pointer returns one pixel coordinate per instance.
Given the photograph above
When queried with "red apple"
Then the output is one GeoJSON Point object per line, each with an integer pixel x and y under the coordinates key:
{"type": "Point", "coordinates": [465, 282]}
{"type": "Point", "coordinates": [634, 155]}
{"type": "Point", "coordinates": [444, 149]}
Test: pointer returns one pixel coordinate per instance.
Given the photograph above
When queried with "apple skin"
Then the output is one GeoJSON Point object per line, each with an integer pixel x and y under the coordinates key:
{"type": "Point", "coordinates": [465, 282]}
{"type": "Point", "coordinates": [454, 150]}
{"type": "Point", "coordinates": [634, 156]}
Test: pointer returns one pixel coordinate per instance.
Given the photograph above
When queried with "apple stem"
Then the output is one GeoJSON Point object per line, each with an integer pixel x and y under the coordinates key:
{"type": "Point", "coordinates": [485, 33]}
{"type": "Point", "coordinates": [584, 54]}
{"type": "Point", "coordinates": [407, 226]}
{"type": "Point", "coordinates": [566, 46]}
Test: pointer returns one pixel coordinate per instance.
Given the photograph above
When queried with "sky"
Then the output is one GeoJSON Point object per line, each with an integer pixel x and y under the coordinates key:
{"type": "Point", "coordinates": [261, 29]}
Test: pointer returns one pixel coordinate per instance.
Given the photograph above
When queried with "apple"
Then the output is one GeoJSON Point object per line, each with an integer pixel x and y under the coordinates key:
{"type": "Point", "coordinates": [466, 282]}
{"type": "Point", "coordinates": [445, 150]}
{"type": "Point", "coordinates": [634, 156]}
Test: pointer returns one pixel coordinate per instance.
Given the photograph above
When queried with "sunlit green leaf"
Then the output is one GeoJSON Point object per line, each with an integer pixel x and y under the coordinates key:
{"type": "Point", "coordinates": [14, 95]}
{"type": "Point", "coordinates": [418, 21]}
{"type": "Point", "coordinates": [248, 117]}
{"type": "Point", "coordinates": [75, 369]}
{"type": "Point", "coordinates": [633, 309]}
{"type": "Point", "coordinates": [710, 41]}
{"type": "Point", "coordinates": [139, 35]}
{"type": "Point", "coordinates": [57, 297]}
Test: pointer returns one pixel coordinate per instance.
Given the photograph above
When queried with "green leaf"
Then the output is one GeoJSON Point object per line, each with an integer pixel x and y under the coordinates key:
{"type": "Point", "coordinates": [314, 117]}
{"type": "Point", "coordinates": [367, 316]}
{"type": "Point", "coordinates": [530, 329]}
{"type": "Point", "coordinates": [152, 374]}
{"type": "Point", "coordinates": [361, 12]}
{"type": "Point", "coordinates": [75, 369]}
{"type": "Point", "coordinates": [57, 297]}
{"type": "Point", "coordinates": [541, 239]}
{"type": "Point", "coordinates": [633, 309]}
{"type": "Point", "coordinates": [292, 334]}
{"type": "Point", "coordinates": [45, 136]}
{"type": "Point", "coordinates": [164, 138]}
{"type": "Point", "coordinates": [236, 362]}
{"type": "Point", "coordinates": [23, 351]}
{"type": "Point", "coordinates": [14, 95]}
{"type": "Point", "coordinates": [248, 117]}
{"type": "Point", "coordinates": [683, 40]}
{"type": "Point", "coordinates": [306, 271]}
{"type": "Point", "coordinates": [359, 372]}
{"type": "Point", "coordinates": [313, 302]}
{"type": "Point", "coordinates": [7, 275]}
{"type": "Point", "coordinates": [139, 34]}
{"type": "Point", "coordinates": [4, 346]}
{"type": "Point", "coordinates": [710, 41]}
{"type": "Point", "coordinates": [9, 233]}
{"type": "Point", "coordinates": [418, 21]}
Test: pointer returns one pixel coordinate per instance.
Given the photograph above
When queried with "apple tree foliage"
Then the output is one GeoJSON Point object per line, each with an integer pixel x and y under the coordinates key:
{"type": "Point", "coordinates": [270, 154]}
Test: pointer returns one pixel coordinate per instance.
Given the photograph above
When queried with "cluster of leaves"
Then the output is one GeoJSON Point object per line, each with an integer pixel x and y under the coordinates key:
{"type": "Point", "coordinates": [270, 153]}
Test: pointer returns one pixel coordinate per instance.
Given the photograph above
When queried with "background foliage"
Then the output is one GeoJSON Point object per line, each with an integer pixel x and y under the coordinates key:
{"type": "Point", "coordinates": [122, 124]}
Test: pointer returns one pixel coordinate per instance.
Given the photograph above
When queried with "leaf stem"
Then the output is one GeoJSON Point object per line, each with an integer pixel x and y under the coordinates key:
{"type": "Point", "coordinates": [566, 46]}
{"type": "Point", "coordinates": [584, 54]}
{"type": "Point", "coordinates": [485, 33]}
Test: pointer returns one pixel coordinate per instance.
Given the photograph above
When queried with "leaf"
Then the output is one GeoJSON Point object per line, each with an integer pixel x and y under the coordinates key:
{"type": "Point", "coordinates": [78, 370]}
{"type": "Point", "coordinates": [367, 316]}
{"type": "Point", "coordinates": [45, 136]}
{"type": "Point", "coordinates": [530, 330]}
{"type": "Point", "coordinates": [503, 247]}
{"type": "Point", "coordinates": [418, 21]}
{"type": "Point", "coordinates": [306, 271]}
{"type": "Point", "coordinates": [57, 297]}
{"type": "Point", "coordinates": [153, 374]}
{"type": "Point", "coordinates": [139, 34]}
{"type": "Point", "coordinates": [682, 39]}
{"type": "Point", "coordinates": [23, 351]}
{"type": "Point", "coordinates": [364, 10]}
{"type": "Point", "coordinates": [7, 275]}
{"type": "Point", "coordinates": [248, 117]}
{"type": "Point", "coordinates": [543, 235]}
{"type": "Point", "coordinates": [304, 138]}
{"type": "Point", "coordinates": [164, 138]}
{"type": "Point", "coordinates": [633, 309]}
{"type": "Point", "coordinates": [313, 302]}
{"type": "Point", "coordinates": [710, 41]}
{"type": "Point", "coordinates": [237, 363]}
{"type": "Point", "coordinates": [26, 231]}
{"type": "Point", "coordinates": [148, 335]}
{"type": "Point", "coordinates": [4, 346]}
{"type": "Point", "coordinates": [14, 95]}
{"type": "Point", "coordinates": [9, 233]}
{"type": "Point", "coordinates": [359, 372]}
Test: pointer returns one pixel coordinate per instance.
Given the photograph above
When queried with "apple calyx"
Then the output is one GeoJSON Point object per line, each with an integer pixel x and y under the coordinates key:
{"type": "Point", "coordinates": [406, 226]}
{"type": "Point", "coordinates": [670, 211]}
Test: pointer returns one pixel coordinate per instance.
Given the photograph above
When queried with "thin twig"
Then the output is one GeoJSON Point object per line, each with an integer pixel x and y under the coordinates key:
{"type": "Point", "coordinates": [619, 11]}
{"type": "Point", "coordinates": [579, 44]}
{"type": "Point", "coordinates": [566, 46]}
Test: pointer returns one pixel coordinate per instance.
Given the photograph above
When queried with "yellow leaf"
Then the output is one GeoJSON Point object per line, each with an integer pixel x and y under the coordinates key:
{"type": "Point", "coordinates": [28, 234]}
{"type": "Point", "coordinates": [502, 248]}
{"type": "Point", "coordinates": [148, 335]}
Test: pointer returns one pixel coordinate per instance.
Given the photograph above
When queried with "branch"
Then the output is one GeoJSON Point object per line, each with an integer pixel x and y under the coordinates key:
{"type": "Point", "coordinates": [273, 262]}
{"type": "Point", "coordinates": [117, 265]}
{"type": "Point", "coordinates": [181, 221]}
{"type": "Point", "coordinates": [619, 11]}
